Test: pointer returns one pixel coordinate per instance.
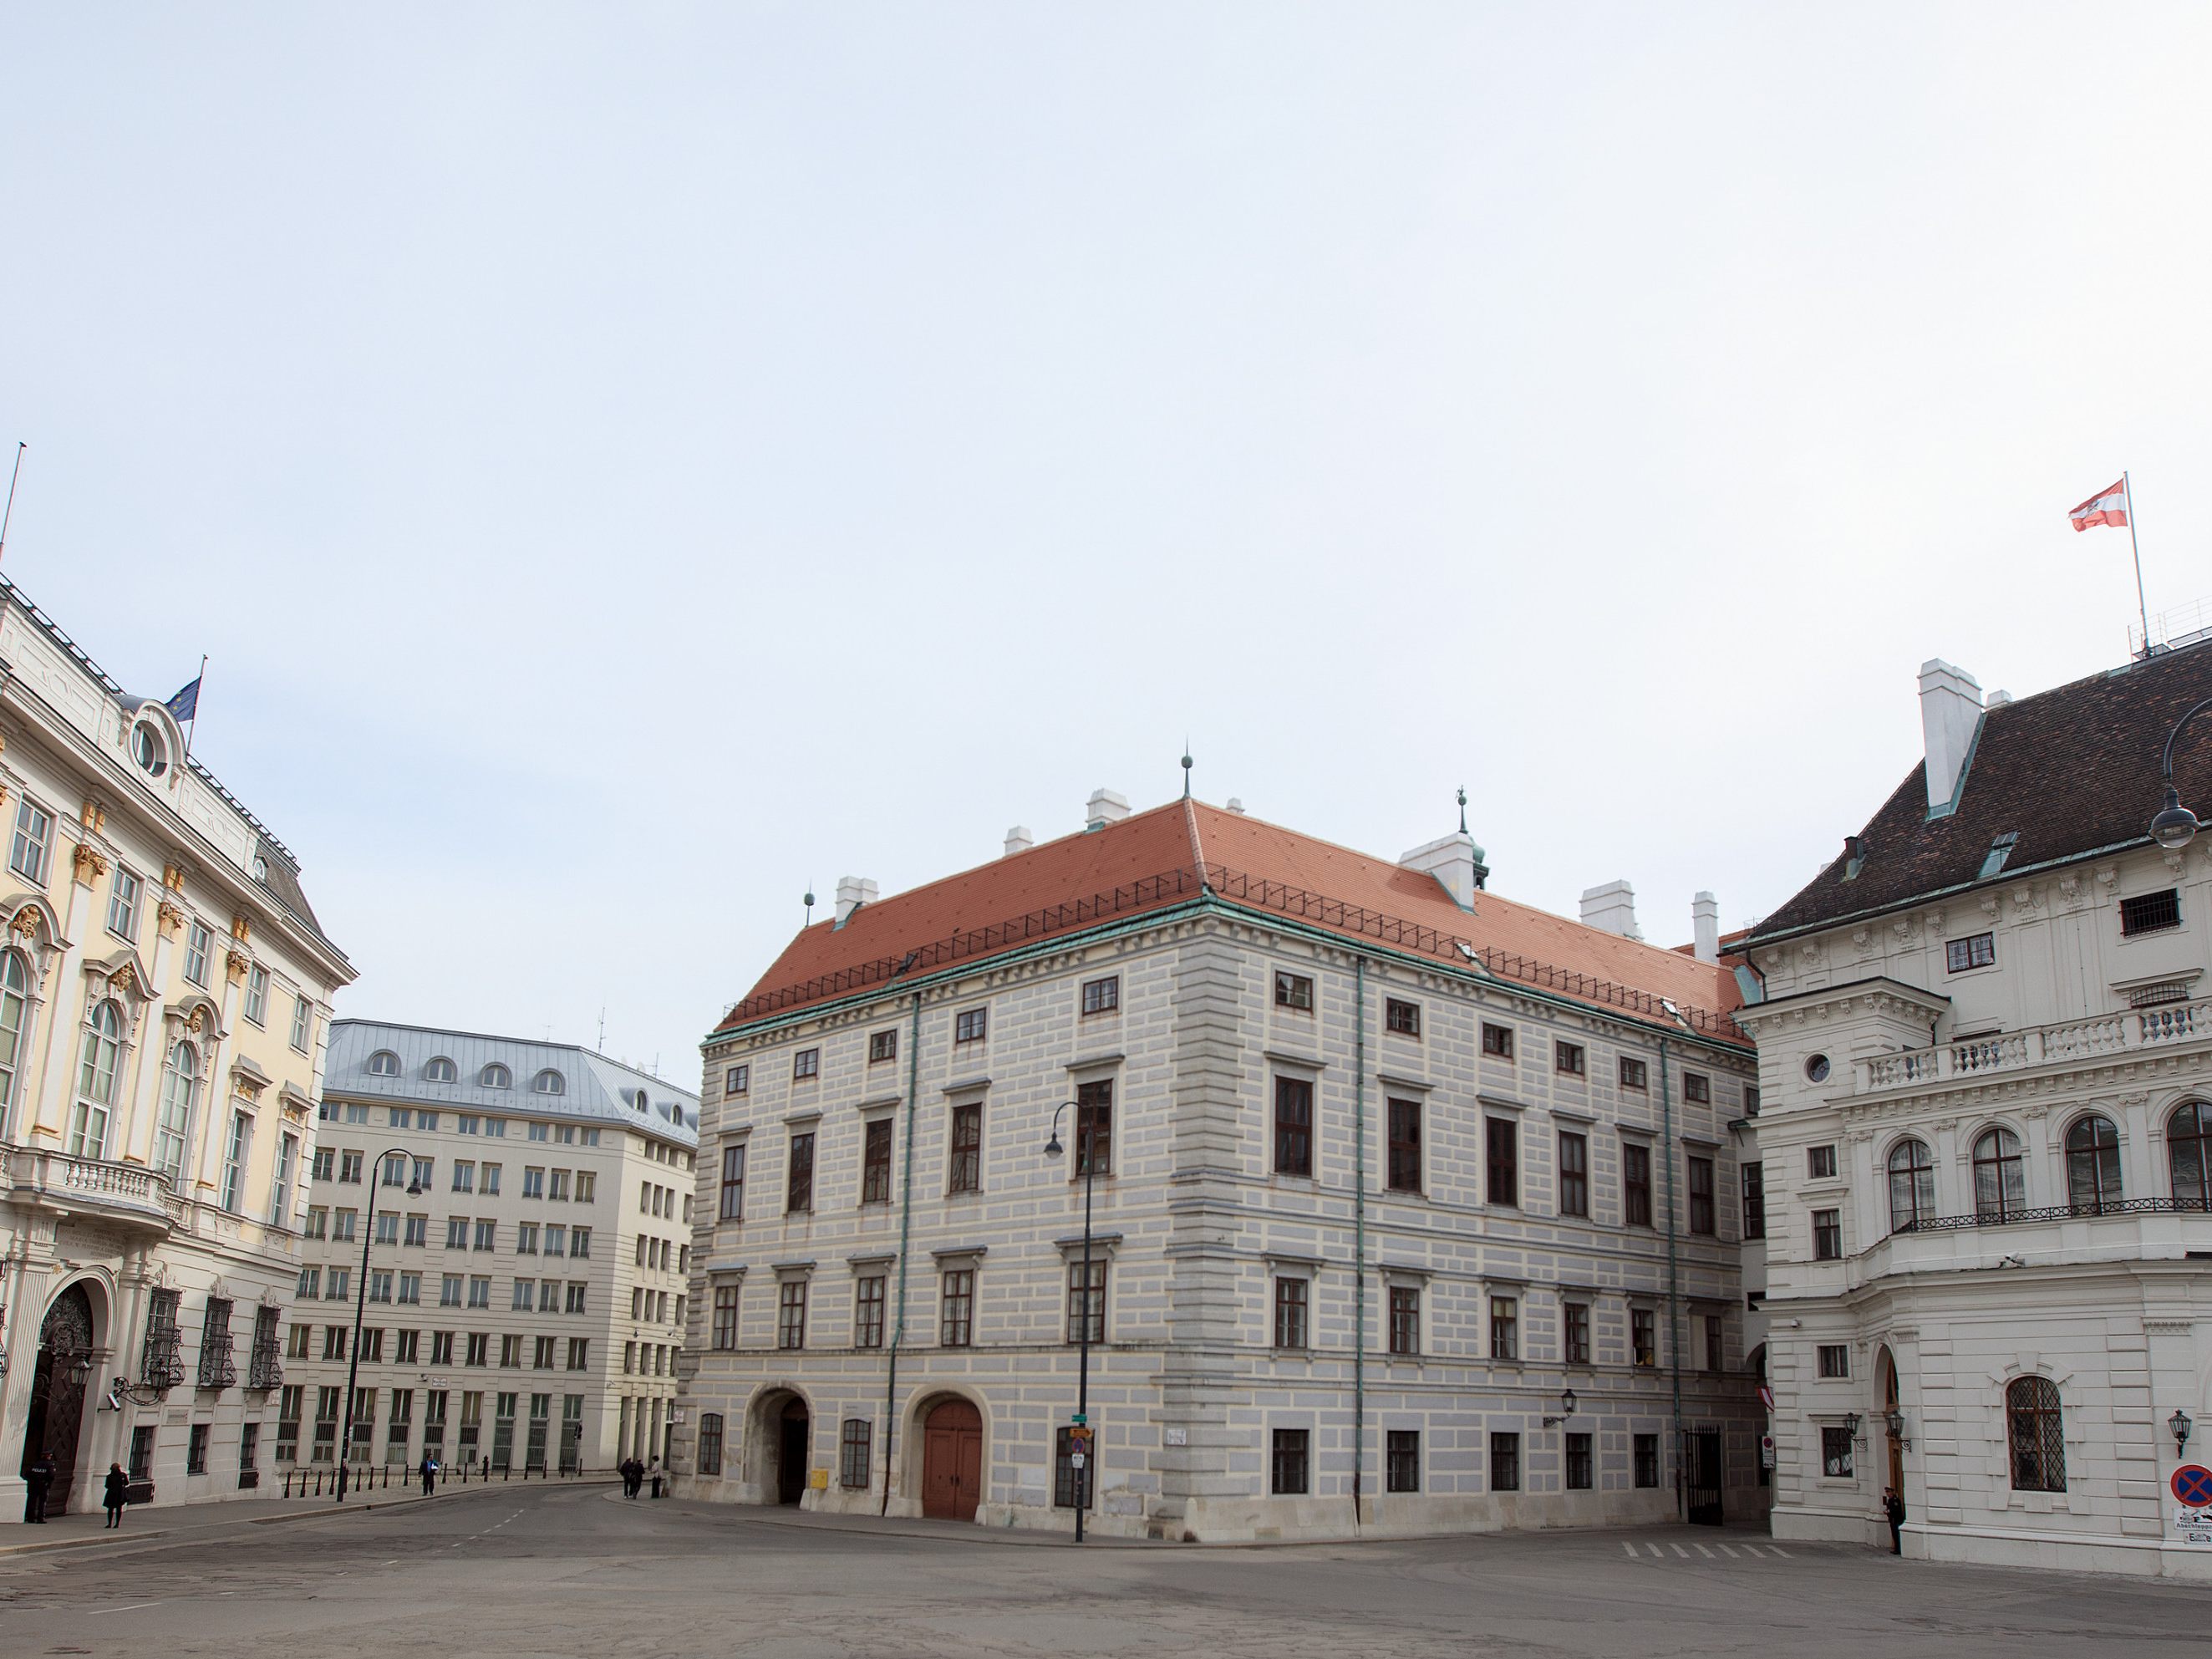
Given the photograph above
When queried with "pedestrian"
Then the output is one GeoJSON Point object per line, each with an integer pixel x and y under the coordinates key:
{"type": "Point", "coordinates": [633, 1475]}
{"type": "Point", "coordinates": [36, 1480]}
{"type": "Point", "coordinates": [656, 1476]}
{"type": "Point", "coordinates": [1893, 1506]}
{"type": "Point", "coordinates": [118, 1493]}
{"type": "Point", "coordinates": [429, 1474]}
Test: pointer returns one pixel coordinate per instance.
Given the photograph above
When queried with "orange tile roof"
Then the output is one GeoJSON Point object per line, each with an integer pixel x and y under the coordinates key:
{"type": "Point", "coordinates": [1176, 853]}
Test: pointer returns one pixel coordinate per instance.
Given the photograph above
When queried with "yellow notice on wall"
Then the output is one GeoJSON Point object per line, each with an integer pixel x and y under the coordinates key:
{"type": "Point", "coordinates": [819, 1478]}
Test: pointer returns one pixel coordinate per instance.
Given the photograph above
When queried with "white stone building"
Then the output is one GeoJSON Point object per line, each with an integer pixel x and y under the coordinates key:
{"type": "Point", "coordinates": [164, 989]}
{"type": "Point", "coordinates": [1387, 1166]}
{"type": "Point", "coordinates": [1985, 1049]}
{"type": "Point", "coordinates": [525, 1306]}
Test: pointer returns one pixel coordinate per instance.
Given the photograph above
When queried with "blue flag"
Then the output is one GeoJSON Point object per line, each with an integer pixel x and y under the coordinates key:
{"type": "Point", "coordinates": [186, 703]}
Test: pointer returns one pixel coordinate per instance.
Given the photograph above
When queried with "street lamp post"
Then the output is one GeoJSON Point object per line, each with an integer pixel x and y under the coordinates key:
{"type": "Point", "coordinates": [361, 1299]}
{"type": "Point", "coordinates": [2175, 826]}
{"type": "Point", "coordinates": [1087, 1133]}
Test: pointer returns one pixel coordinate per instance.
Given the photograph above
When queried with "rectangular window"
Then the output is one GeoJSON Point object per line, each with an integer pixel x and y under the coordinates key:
{"type": "Point", "coordinates": [882, 1046]}
{"type": "Point", "coordinates": [491, 1174]}
{"type": "Point", "coordinates": [1820, 1162]}
{"type": "Point", "coordinates": [1750, 1101]}
{"type": "Point", "coordinates": [526, 1238]}
{"type": "Point", "coordinates": [956, 1308]}
{"type": "Point", "coordinates": [257, 994]}
{"type": "Point", "coordinates": [410, 1287]}
{"type": "Point", "coordinates": [417, 1230]}
{"type": "Point", "coordinates": [1094, 1128]}
{"type": "Point", "coordinates": [123, 898]}
{"type": "Point", "coordinates": [1403, 1151]}
{"type": "Point", "coordinates": [1294, 991]}
{"type": "Point", "coordinates": [487, 1233]}
{"type": "Point", "coordinates": [464, 1175]}
{"type": "Point", "coordinates": [970, 1024]}
{"type": "Point", "coordinates": [541, 1355]}
{"type": "Point", "coordinates": [1836, 1454]}
{"type": "Point", "coordinates": [574, 1304]}
{"type": "Point", "coordinates": [853, 1462]}
{"type": "Point", "coordinates": [199, 944]}
{"type": "Point", "coordinates": [1636, 1185]}
{"type": "Point", "coordinates": [1702, 1209]}
{"type": "Point", "coordinates": [349, 1169]}
{"type": "Point", "coordinates": [1288, 1472]}
{"type": "Point", "coordinates": [726, 1316]}
{"type": "Point", "coordinates": [798, 1175]}
{"type": "Point", "coordinates": [580, 1241]}
{"type": "Point", "coordinates": [1643, 1336]}
{"type": "Point", "coordinates": [1579, 1463]}
{"type": "Point", "coordinates": [1716, 1343]}
{"type": "Point", "coordinates": [1504, 1327]}
{"type": "Point", "coordinates": [409, 1347]}
{"type": "Point", "coordinates": [557, 1190]}
{"type": "Point", "coordinates": [442, 1347]}
{"type": "Point", "coordinates": [1401, 1460]}
{"type": "Point", "coordinates": [524, 1297]}
{"type": "Point", "coordinates": [1633, 1074]}
{"type": "Point", "coordinates": [372, 1346]}
{"type": "Point", "coordinates": [806, 1063]}
{"type": "Point", "coordinates": [2151, 913]}
{"type": "Point", "coordinates": [790, 1314]}
{"type": "Point", "coordinates": [1827, 1235]}
{"type": "Point", "coordinates": [1833, 1359]}
{"type": "Point", "coordinates": [1497, 1040]}
{"type": "Point", "coordinates": [449, 1290]}
{"type": "Point", "coordinates": [1979, 951]}
{"type": "Point", "coordinates": [1293, 1127]}
{"type": "Point", "coordinates": [1402, 1017]}
{"type": "Point", "coordinates": [737, 1080]}
{"type": "Point", "coordinates": [1568, 1058]}
{"type": "Point", "coordinates": [1501, 1160]}
{"type": "Point", "coordinates": [733, 1183]}
{"type": "Point", "coordinates": [964, 1173]}
{"type": "Point", "coordinates": [1086, 1309]}
{"type": "Point", "coordinates": [1505, 1462]}
{"type": "Point", "coordinates": [1696, 1089]}
{"type": "Point", "coordinates": [876, 1161]}
{"type": "Point", "coordinates": [580, 1353]}
{"type": "Point", "coordinates": [196, 1448]}
{"type": "Point", "coordinates": [34, 829]}
{"type": "Point", "coordinates": [868, 1310]}
{"type": "Point", "coordinates": [1404, 1319]}
{"type": "Point", "coordinates": [480, 1290]}
{"type": "Point", "coordinates": [587, 1181]}
{"type": "Point", "coordinates": [236, 1149]}
{"type": "Point", "coordinates": [1754, 1201]}
{"type": "Point", "coordinates": [1101, 996]}
{"type": "Point", "coordinates": [1575, 1328]}
{"type": "Point", "coordinates": [1291, 1298]}
{"type": "Point", "coordinates": [1647, 1460]}
{"type": "Point", "coordinates": [1574, 1174]}
{"type": "Point", "coordinates": [303, 1021]}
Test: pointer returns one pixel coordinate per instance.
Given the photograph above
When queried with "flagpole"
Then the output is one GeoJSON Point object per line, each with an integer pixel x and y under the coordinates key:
{"type": "Point", "coordinates": [194, 724]}
{"type": "Point", "coordinates": [4, 517]}
{"type": "Point", "coordinates": [2128, 489]}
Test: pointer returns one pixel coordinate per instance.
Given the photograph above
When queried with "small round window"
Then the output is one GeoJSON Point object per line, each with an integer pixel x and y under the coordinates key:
{"type": "Point", "coordinates": [148, 749]}
{"type": "Point", "coordinates": [1817, 1068]}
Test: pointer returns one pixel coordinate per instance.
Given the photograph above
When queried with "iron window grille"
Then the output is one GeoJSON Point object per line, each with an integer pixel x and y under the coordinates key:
{"type": "Point", "coordinates": [162, 1364]}
{"type": "Point", "coordinates": [2149, 913]}
{"type": "Point", "coordinates": [1288, 1460]}
{"type": "Point", "coordinates": [1647, 1460]}
{"type": "Point", "coordinates": [2036, 1435]}
{"type": "Point", "coordinates": [1836, 1459]}
{"type": "Point", "coordinates": [217, 1370]}
{"type": "Point", "coordinates": [1579, 1463]}
{"type": "Point", "coordinates": [1505, 1462]}
{"type": "Point", "coordinates": [266, 1367]}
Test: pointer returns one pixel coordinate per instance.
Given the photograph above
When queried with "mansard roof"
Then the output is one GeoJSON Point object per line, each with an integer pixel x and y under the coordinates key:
{"type": "Point", "coordinates": [2073, 773]}
{"type": "Point", "coordinates": [1188, 852]}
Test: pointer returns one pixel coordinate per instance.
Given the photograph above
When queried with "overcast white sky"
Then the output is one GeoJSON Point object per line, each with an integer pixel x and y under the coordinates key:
{"type": "Point", "coordinates": [625, 462]}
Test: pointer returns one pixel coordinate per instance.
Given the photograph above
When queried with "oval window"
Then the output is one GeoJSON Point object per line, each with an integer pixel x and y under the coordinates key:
{"type": "Point", "coordinates": [1817, 1068]}
{"type": "Point", "coordinates": [148, 750]}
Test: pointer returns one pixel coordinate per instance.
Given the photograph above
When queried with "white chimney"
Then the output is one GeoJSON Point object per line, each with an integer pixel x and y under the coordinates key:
{"type": "Point", "coordinates": [853, 892]}
{"type": "Point", "coordinates": [1950, 712]}
{"type": "Point", "coordinates": [1106, 807]}
{"type": "Point", "coordinates": [1613, 908]}
{"type": "Point", "coordinates": [1019, 839]}
{"type": "Point", "coordinates": [1705, 925]}
{"type": "Point", "coordinates": [1236, 805]}
{"type": "Point", "coordinates": [1452, 862]}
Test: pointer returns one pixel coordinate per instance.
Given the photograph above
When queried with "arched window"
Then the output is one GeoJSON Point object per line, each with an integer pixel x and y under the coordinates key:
{"type": "Point", "coordinates": [384, 1063]}
{"type": "Point", "coordinates": [1911, 1186]}
{"type": "Point", "coordinates": [2035, 1434]}
{"type": "Point", "coordinates": [2189, 1154]}
{"type": "Point", "coordinates": [441, 1070]}
{"type": "Point", "coordinates": [2000, 1182]}
{"type": "Point", "coordinates": [549, 1082]}
{"type": "Point", "coordinates": [496, 1076]}
{"type": "Point", "coordinates": [2092, 1164]}
{"type": "Point", "coordinates": [180, 1088]}
{"type": "Point", "coordinates": [15, 1008]}
{"type": "Point", "coordinates": [97, 1060]}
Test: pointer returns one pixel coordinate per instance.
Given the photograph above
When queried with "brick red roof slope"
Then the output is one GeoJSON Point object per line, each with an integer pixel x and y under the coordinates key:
{"type": "Point", "coordinates": [2071, 771]}
{"type": "Point", "coordinates": [1152, 860]}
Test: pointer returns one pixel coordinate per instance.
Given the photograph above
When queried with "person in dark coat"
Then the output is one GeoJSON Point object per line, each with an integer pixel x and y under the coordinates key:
{"type": "Point", "coordinates": [36, 1479]}
{"type": "Point", "coordinates": [429, 1472]}
{"type": "Point", "coordinates": [1892, 1509]}
{"type": "Point", "coordinates": [118, 1493]}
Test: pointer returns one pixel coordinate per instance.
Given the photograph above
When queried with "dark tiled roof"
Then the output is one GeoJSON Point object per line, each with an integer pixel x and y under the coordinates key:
{"type": "Point", "coordinates": [2071, 772]}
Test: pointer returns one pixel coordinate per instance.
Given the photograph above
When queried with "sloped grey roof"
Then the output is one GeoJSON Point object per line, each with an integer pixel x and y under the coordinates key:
{"type": "Point", "coordinates": [595, 1090]}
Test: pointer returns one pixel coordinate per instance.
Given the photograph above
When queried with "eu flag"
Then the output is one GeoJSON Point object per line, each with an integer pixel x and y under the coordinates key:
{"type": "Point", "coordinates": [186, 703]}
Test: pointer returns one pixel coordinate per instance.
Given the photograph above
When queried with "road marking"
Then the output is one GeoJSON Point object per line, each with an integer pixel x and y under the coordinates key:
{"type": "Point", "coordinates": [133, 1608]}
{"type": "Point", "coordinates": [1654, 1548]}
{"type": "Point", "coordinates": [1679, 1551]}
{"type": "Point", "coordinates": [1630, 1549]}
{"type": "Point", "coordinates": [1726, 1551]}
{"type": "Point", "coordinates": [1707, 1554]}
{"type": "Point", "coordinates": [1751, 1550]}
{"type": "Point", "coordinates": [1779, 1551]}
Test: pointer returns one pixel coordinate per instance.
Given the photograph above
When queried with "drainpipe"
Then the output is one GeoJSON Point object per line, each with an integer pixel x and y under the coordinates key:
{"type": "Point", "coordinates": [1358, 1233]}
{"type": "Point", "coordinates": [906, 1220]}
{"type": "Point", "coordinates": [1673, 1272]}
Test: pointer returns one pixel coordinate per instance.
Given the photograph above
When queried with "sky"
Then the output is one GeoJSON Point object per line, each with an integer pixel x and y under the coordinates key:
{"type": "Point", "coordinates": [625, 464]}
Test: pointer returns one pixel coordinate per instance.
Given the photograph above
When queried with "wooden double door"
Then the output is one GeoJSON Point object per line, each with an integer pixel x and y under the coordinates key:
{"type": "Point", "coordinates": [951, 1460]}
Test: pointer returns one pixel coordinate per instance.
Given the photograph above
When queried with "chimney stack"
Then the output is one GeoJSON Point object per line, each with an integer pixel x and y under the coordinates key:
{"type": "Point", "coordinates": [1611, 908]}
{"type": "Point", "coordinates": [1019, 839]}
{"type": "Point", "coordinates": [853, 892]}
{"type": "Point", "coordinates": [1457, 863]}
{"type": "Point", "coordinates": [1950, 713]}
{"type": "Point", "coordinates": [1105, 807]}
{"type": "Point", "coordinates": [1705, 926]}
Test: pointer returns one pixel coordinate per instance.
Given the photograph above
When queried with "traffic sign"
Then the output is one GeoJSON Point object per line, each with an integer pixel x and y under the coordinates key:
{"type": "Point", "coordinates": [1078, 1434]}
{"type": "Point", "coordinates": [1078, 1419]}
{"type": "Point", "coordinates": [1075, 1460]}
{"type": "Point", "coordinates": [2192, 1485]}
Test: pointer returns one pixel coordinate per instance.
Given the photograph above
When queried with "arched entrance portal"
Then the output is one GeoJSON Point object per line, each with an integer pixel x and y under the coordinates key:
{"type": "Point", "coordinates": [791, 1452]}
{"type": "Point", "coordinates": [951, 1460]}
{"type": "Point", "coordinates": [58, 1392]}
{"type": "Point", "coordinates": [1892, 1420]}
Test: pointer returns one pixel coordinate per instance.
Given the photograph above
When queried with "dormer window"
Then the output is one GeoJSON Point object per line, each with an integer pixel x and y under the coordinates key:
{"type": "Point", "coordinates": [384, 1063]}
{"type": "Point", "coordinates": [494, 1076]}
{"type": "Point", "coordinates": [549, 1082]}
{"type": "Point", "coordinates": [2000, 850]}
{"type": "Point", "coordinates": [149, 749]}
{"type": "Point", "coordinates": [441, 1070]}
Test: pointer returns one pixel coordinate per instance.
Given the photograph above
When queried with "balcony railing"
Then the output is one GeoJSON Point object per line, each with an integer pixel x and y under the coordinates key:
{"type": "Point", "coordinates": [266, 1368]}
{"type": "Point", "coordinates": [163, 1366]}
{"type": "Point", "coordinates": [2133, 1031]}
{"type": "Point", "coordinates": [121, 1192]}
{"type": "Point", "coordinates": [2012, 1218]}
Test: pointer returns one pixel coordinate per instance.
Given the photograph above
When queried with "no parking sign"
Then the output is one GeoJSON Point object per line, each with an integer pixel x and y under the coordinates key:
{"type": "Point", "coordinates": [2192, 1496]}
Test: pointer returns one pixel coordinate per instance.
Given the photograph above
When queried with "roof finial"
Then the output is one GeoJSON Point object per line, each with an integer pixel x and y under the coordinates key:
{"type": "Point", "coordinates": [1462, 809]}
{"type": "Point", "coordinates": [1185, 768]}
{"type": "Point", "coordinates": [810, 902]}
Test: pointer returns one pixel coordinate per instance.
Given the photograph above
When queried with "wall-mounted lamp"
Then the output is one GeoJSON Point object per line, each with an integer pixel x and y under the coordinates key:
{"type": "Point", "coordinates": [1893, 1421]}
{"type": "Point", "coordinates": [1852, 1422]}
{"type": "Point", "coordinates": [2179, 1425]}
{"type": "Point", "coordinates": [1566, 1410]}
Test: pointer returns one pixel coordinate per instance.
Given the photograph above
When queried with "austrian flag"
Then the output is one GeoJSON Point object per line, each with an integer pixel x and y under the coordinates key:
{"type": "Point", "coordinates": [2106, 506]}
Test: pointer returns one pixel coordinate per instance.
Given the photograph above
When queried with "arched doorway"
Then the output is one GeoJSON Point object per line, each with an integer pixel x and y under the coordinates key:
{"type": "Point", "coordinates": [951, 1460]}
{"type": "Point", "coordinates": [791, 1452]}
{"type": "Point", "coordinates": [58, 1392]}
{"type": "Point", "coordinates": [1885, 1370]}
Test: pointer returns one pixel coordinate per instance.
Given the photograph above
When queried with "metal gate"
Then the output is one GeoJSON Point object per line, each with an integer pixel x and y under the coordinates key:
{"type": "Point", "coordinates": [1702, 1476]}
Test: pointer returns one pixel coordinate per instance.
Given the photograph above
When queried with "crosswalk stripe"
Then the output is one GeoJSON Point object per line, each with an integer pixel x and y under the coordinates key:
{"type": "Point", "coordinates": [1751, 1550]}
{"type": "Point", "coordinates": [1726, 1551]}
{"type": "Point", "coordinates": [1707, 1554]}
{"type": "Point", "coordinates": [1630, 1549]}
{"type": "Point", "coordinates": [1679, 1551]}
{"type": "Point", "coordinates": [1779, 1551]}
{"type": "Point", "coordinates": [1654, 1548]}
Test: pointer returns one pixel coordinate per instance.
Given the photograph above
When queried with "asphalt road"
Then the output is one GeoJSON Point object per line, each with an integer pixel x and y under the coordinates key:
{"type": "Point", "coordinates": [576, 1570]}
